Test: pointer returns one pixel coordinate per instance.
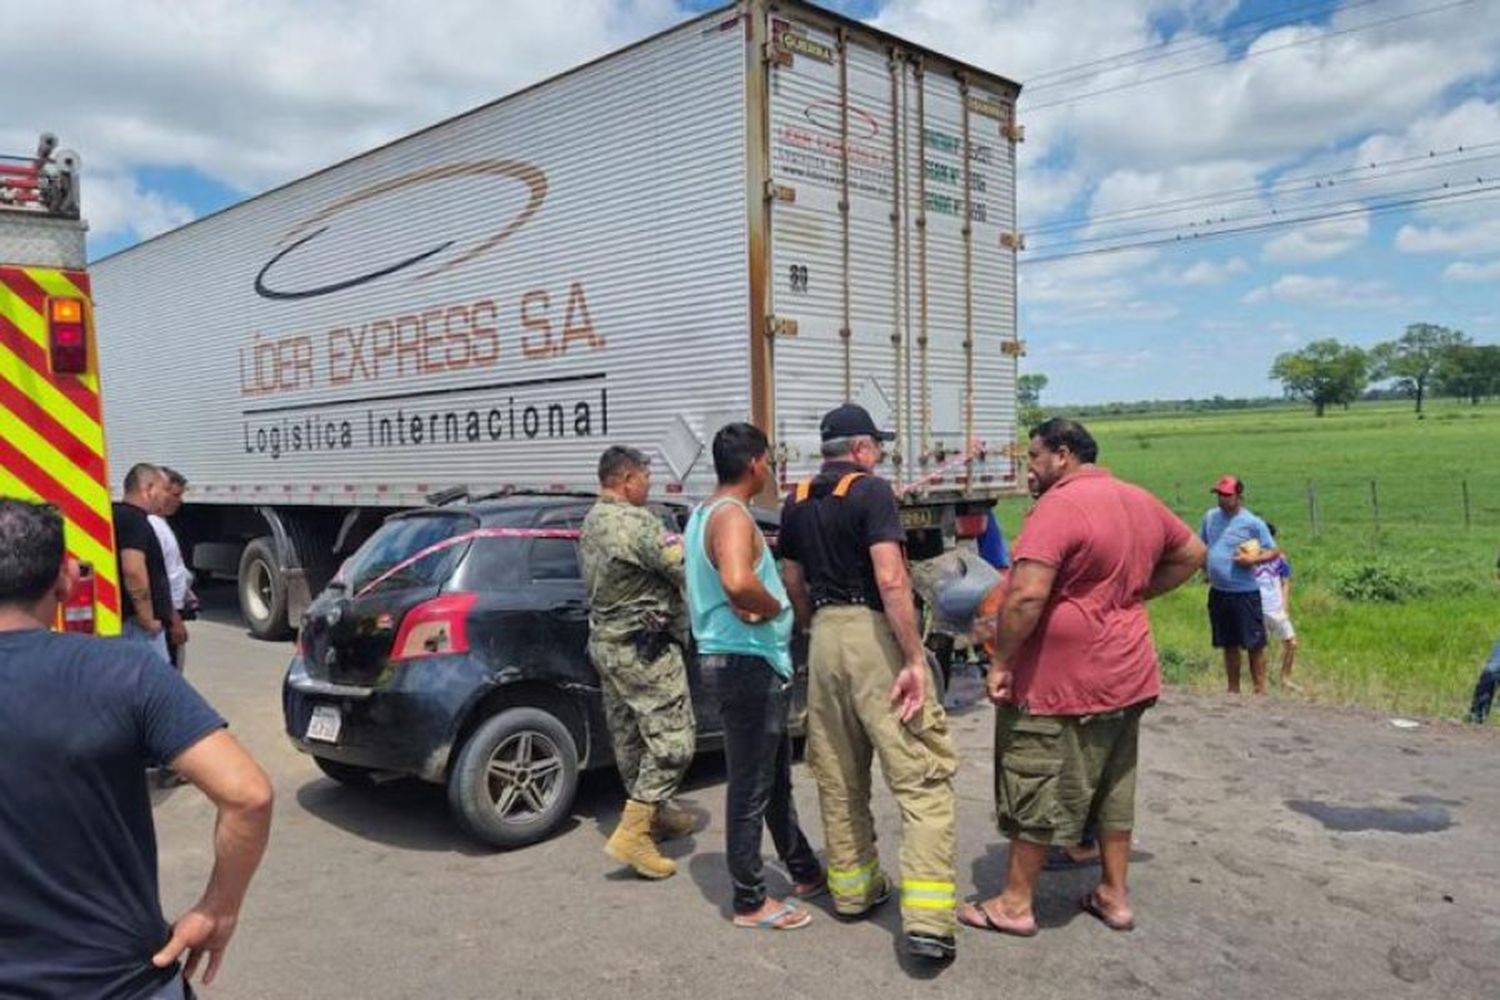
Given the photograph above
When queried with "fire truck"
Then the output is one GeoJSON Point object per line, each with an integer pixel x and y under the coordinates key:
{"type": "Point", "coordinates": [51, 435]}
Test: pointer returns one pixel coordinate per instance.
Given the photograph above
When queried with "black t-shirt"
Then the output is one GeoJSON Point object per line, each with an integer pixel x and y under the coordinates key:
{"type": "Point", "coordinates": [830, 536]}
{"type": "Point", "coordinates": [133, 531]}
{"type": "Point", "coordinates": [80, 721]}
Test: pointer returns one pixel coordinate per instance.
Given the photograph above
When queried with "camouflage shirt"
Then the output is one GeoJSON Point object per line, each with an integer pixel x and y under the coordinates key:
{"type": "Point", "coordinates": [633, 574]}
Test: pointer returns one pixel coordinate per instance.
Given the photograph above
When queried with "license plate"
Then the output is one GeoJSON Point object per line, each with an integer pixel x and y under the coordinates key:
{"type": "Point", "coordinates": [919, 517]}
{"type": "Point", "coordinates": [325, 724]}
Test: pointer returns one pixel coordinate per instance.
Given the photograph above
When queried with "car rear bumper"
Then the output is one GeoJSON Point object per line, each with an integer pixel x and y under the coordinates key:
{"type": "Point", "coordinates": [406, 724]}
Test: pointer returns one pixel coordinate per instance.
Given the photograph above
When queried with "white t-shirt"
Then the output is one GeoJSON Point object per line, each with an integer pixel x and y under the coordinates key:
{"type": "Point", "coordinates": [178, 575]}
{"type": "Point", "coordinates": [1268, 576]}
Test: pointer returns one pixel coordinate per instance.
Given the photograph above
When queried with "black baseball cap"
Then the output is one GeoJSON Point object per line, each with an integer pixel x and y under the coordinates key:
{"type": "Point", "coordinates": [851, 420]}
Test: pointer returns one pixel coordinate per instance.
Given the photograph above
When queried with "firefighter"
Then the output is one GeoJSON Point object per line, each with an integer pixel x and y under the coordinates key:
{"type": "Point", "coordinates": [638, 629]}
{"type": "Point", "coordinates": [869, 690]}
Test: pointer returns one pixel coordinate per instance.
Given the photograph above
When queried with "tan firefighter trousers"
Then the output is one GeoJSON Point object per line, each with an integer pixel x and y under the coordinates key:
{"type": "Point", "coordinates": [853, 662]}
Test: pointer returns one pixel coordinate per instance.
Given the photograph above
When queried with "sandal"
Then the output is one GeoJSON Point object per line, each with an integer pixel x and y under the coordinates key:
{"type": "Point", "coordinates": [777, 920]}
{"type": "Point", "coordinates": [1090, 905]}
{"type": "Point", "coordinates": [985, 921]}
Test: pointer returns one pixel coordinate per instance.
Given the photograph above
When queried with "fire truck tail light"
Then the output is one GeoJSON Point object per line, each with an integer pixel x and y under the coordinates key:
{"type": "Point", "coordinates": [67, 331]}
{"type": "Point", "coordinates": [78, 609]}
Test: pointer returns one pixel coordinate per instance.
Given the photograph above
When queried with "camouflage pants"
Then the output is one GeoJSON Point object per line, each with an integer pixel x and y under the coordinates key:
{"type": "Point", "coordinates": [650, 716]}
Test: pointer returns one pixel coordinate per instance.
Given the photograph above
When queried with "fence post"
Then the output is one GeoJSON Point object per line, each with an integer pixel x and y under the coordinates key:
{"type": "Point", "coordinates": [1467, 517]}
{"type": "Point", "coordinates": [1312, 508]}
{"type": "Point", "coordinates": [1375, 505]}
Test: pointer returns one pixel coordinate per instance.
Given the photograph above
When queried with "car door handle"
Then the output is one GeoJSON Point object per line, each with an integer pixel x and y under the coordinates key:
{"type": "Point", "coordinates": [573, 610]}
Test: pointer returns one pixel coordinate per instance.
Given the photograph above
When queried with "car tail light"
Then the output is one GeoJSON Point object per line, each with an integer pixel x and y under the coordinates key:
{"type": "Point", "coordinates": [438, 627]}
{"type": "Point", "coordinates": [970, 525]}
{"type": "Point", "coordinates": [78, 609]}
{"type": "Point", "coordinates": [67, 335]}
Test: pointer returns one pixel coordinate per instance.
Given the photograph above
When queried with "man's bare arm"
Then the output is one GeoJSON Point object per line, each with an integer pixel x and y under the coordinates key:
{"type": "Point", "coordinates": [732, 545]}
{"type": "Point", "coordinates": [796, 592]}
{"type": "Point", "coordinates": [138, 585]}
{"type": "Point", "coordinates": [1025, 599]}
{"type": "Point", "coordinates": [1175, 568]}
{"type": "Point", "coordinates": [232, 780]}
{"type": "Point", "coordinates": [894, 582]}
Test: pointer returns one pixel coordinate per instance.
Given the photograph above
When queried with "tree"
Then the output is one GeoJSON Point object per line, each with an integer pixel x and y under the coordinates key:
{"type": "Point", "coordinates": [1412, 361]}
{"type": "Point", "coordinates": [1470, 371]}
{"type": "Point", "coordinates": [1030, 387]}
{"type": "Point", "coordinates": [1324, 372]}
{"type": "Point", "coordinates": [1029, 396]}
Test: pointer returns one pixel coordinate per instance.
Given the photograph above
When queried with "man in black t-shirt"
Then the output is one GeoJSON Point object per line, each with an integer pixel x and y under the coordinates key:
{"type": "Point", "coordinates": [146, 609]}
{"type": "Point", "coordinates": [80, 720]}
{"type": "Point", "coordinates": [868, 690]}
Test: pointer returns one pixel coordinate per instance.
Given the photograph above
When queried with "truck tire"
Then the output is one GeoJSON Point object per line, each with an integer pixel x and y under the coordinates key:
{"type": "Point", "coordinates": [263, 591]}
{"type": "Point", "coordinates": [515, 779]}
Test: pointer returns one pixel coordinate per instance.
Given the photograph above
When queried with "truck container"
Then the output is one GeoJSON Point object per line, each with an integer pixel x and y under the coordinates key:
{"type": "Point", "coordinates": [755, 215]}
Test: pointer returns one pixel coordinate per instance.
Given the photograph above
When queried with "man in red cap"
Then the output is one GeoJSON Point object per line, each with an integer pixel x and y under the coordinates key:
{"type": "Point", "coordinates": [1237, 541]}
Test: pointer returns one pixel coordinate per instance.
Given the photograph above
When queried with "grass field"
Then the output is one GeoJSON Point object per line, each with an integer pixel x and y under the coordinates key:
{"type": "Point", "coordinates": [1416, 655]}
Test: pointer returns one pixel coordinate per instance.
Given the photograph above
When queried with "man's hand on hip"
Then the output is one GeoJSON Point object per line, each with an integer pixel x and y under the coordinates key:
{"type": "Point", "coordinates": [197, 932]}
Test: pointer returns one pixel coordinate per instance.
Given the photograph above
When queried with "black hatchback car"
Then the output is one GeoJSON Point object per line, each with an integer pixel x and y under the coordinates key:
{"type": "Point", "coordinates": [451, 647]}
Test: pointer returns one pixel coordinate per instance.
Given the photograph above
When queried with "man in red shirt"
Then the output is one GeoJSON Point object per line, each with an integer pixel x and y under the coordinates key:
{"type": "Point", "coordinates": [1074, 668]}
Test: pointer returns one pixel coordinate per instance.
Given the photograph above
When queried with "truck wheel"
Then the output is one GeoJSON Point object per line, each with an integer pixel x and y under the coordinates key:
{"type": "Point", "coordinates": [346, 774]}
{"type": "Point", "coordinates": [263, 591]}
{"type": "Point", "coordinates": [515, 779]}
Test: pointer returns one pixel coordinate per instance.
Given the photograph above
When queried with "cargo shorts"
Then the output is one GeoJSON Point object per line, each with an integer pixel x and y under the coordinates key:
{"type": "Point", "coordinates": [1058, 776]}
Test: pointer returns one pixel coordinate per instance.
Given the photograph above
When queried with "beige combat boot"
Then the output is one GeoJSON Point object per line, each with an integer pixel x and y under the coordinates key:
{"type": "Point", "coordinates": [631, 843]}
{"type": "Point", "coordinates": [672, 822]}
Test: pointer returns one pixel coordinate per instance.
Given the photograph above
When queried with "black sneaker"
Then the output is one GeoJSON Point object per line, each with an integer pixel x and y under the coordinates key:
{"type": "Point", "coordinates": [931, 947]}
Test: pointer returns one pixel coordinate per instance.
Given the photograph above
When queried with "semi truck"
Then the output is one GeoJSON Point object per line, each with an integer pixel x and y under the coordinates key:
{"type": "Point", "coordinates": [755, 215]}
{"type": "Point", "coordinates": [51, 436]}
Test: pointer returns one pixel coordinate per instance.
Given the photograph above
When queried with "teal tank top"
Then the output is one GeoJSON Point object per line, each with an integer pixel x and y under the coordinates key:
{"type": "Point", "coordinates": [716, 628]}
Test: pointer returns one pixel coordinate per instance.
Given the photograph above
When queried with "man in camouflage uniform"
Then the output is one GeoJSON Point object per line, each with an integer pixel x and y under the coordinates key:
{"type": "Point", "coordinates": [638, 628]}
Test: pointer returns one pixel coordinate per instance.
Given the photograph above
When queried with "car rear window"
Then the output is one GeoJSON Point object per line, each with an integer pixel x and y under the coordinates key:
{"type": "Point", "coordinates": [387, 552]}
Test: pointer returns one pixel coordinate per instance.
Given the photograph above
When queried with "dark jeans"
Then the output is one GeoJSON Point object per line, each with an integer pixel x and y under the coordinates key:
{"type": "Point", "coordinates": [755, 701]}
{"type": "Point", "coordinates": [1484, 690]}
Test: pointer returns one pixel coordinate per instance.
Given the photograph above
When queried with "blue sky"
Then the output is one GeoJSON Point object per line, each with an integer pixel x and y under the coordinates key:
{"type": "Point", "coordinates": [180, 111]}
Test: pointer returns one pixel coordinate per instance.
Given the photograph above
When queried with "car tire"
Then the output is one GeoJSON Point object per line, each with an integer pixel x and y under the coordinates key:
{"type": "Point", "coordinates": [515, 779]}
{"type": "Point", "coordinates": [262, 590]}
{"type": "Point", "coordinates": [346, 774]}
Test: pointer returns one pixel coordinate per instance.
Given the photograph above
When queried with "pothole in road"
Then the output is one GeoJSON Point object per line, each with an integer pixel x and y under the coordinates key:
{"type": "Point", "coordinates": [1427, 818]}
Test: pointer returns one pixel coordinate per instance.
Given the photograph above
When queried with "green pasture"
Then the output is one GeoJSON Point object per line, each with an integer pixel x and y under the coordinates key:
{"type": "Point", "coordinates": [1411, 536]}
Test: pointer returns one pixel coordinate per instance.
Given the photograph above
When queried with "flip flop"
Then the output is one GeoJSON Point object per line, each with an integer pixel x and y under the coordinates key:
{"type": "Point", "coordinates": [1090, 905]}
{"type": "Point", "coordinates": [771, 921]}
{"type": "Point", "coordinates": [986, 922]}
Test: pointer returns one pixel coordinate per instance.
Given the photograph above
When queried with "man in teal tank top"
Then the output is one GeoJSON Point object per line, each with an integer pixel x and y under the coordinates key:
{"type": "Point", "coordinates": [742, 622]}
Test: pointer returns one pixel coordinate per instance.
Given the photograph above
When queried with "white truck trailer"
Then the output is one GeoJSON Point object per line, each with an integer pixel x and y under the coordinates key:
{"type": "Point", "coordinates": [752, 216]}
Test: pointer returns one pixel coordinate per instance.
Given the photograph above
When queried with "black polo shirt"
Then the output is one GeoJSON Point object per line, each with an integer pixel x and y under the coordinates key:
{"type": "Point", "coordinates": [133, 531]}
{"type": "Point", "coordinates": [830, 536]}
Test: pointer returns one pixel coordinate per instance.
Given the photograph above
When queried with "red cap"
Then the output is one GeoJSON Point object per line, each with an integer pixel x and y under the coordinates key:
{"type": "Point", "coordinates": [1228, 485]}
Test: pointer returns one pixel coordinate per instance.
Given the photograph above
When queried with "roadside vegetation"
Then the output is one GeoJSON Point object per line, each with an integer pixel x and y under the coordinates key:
{"type": "Point", "coordinates": [1392, 525]}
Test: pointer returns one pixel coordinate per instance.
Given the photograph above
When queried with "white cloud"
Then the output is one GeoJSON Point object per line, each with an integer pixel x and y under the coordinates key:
{"type": "Point", "coordinates": [1318, 241]}
{"type": "Point", "coordinates": [117, 204]}
{"type": "Point", "coordinates": [1204, 272]}
{"type": "Point", "coordinates": [1461, 270]}
{"type": "Point", "coordinates": [1327, 291]}
{"type": "Point", "coordinates": [1475, 238]}
{"type": "Point", "coordinates": [254, 94]}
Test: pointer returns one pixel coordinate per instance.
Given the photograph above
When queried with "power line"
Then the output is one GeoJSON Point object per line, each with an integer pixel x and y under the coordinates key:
{"type": "Point", "coordinates": [1247, 56]}
{"type": "Point", "coordinates": [1189, 229]}
{"type": "Point", "coordinates": [1282, 186]}
{"type": "Point", "coordinates": [1182, 240]}
{"type": "Point", "coordinates": [1084, 71]}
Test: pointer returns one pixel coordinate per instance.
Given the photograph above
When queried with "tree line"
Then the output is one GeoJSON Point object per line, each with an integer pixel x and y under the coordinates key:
{"type": "Point", "coordinates": [1424, 361]}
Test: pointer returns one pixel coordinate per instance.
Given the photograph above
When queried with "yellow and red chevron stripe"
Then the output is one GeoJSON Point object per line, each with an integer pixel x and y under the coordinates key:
{"type": "Point", "coordinates": [51, 438]}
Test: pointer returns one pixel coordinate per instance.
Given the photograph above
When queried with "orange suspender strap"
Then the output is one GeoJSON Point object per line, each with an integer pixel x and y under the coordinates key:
{"type": "Point", "coordinates": [804, 490]}
{"type": "Point", "coordinates": [842, 489]}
